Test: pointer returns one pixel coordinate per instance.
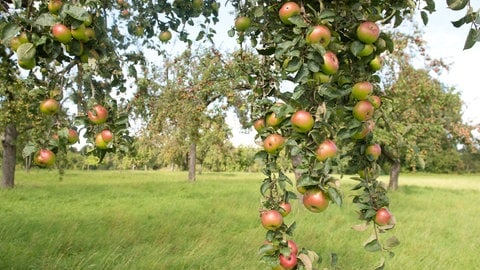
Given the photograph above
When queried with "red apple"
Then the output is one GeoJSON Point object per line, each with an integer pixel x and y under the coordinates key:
{"type": "Point", "coordinates": [99, 114]}
{"type": "Point", "coordinates": [363, 110]}
{"type": "Point", "coordinates": [288, 262]}
{"type": "Point", "coordinates": [368, 32]}
{"type": "Point", "coordinates": [242, 23]}
{"type": "Point", "coordinates": [302, 121]}
{"type": "Point", "coordinates": [54, 6]}
{"type": "Point", "coordinates": [99, 142]}
{"type": "Point", "coordinates": [49, 106]}
{"type": "Point", "coordinates": [373, 151]}
{"type": "Point", "coordinates": [259, 124]}
{"type": "Point", "coordinates": [44, 157]}
{"type": "Point", "coordinates": [273, 143]}
{"type": "Point", "coordinates": [165, 36]}
{"type": "Point", "coordinates": [272, 219]}
{"type": "Point", "coordinates": [376, 101]}
{"type": "Point", "coordinates": [315, 200]}
{"type": "Point", "coordinates": [285, 208]}
{"type": "Point", "coordinates": [61, 33]}
{"type": "Point", "coordinates": [362, 90]}
{"type": "Point", "coordinates": [72, 136]}
{"type": "Point", "coordinates": [293, 247]}
{"type": "Point", "coordinates": [272, 120]}
{"type": "Point", "coordinates": [383, 216]}
{"type": "Point", "coordinates": [330, 63]}
{"type": "Point", "coordinates": [320, 34]}
{"type": "Point", "coordinates": [287, 11]}
{"type": "Point", "coordinates": [326, 149]}
{"type": "Point", "coordinates": [107, 135]}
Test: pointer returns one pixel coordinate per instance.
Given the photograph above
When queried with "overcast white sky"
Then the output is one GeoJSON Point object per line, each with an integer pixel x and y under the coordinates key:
{"type": "Point", "coordinates": [443, 40]}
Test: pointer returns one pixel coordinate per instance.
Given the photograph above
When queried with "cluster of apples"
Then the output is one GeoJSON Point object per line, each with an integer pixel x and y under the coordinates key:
{"type": "Point", "coordinates": [98, 115]}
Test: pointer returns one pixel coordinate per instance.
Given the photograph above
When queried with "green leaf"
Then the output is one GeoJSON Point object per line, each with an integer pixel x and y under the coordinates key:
{"type": "Point", "coordinates": [298, 21]}
{"type": "Point", "coordinates": [291, 228]}
{"type": "Point", "coordinates": [75, 12]}
{"type": "Point", "coordinates": [231, 32]}
{"type": "Point", "coordinates": [335, 196]}
{"type": "Point", "coordinates": [424, 16]}
{"type": "Point", "coordinates": [265, 186]}
{"type": "Point", "coordinates": [381, 266]}
{"type": "Point", "coordinates": [372, 244]}
{"type": "Point", "coordinates": [459, 23]}
{"type": "Point", "coordinates": [45, 19]}
{"type": "Point", "coordinates": [26, 51]}
{"type": "Point", "coordinates": [457, 4]}
{"type": "Point", "coordinates": [266, 249]}
{"type": "Point", "coordinates": [473, 34]}
{"type": "Point", "coordinates": [392, 242]}
{"type": "Point", "coordinates": [9, 31]}
{"type": "Point", "coordinates": [302, 75]}
{"type": "Point", "coordinates": [294, 64]}
{"type": "Point", "coordinates": [29, 149]}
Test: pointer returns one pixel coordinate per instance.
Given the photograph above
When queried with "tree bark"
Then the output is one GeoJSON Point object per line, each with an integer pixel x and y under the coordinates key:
{"type": "Point", "coordinates": [394, 172]}
{"type": "Point", "coordinates": [192, 158]}
{"type": "Point", "coordinates": [9, 156]}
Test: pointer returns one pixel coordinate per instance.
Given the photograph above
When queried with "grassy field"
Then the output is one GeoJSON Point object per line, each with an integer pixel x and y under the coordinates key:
{"type": "Point", "coordinates": [157, 220]}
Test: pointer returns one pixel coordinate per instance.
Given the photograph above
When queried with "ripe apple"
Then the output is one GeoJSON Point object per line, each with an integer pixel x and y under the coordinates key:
{"type": "Point", "coordinates": [259, 124]}
{"type": "Point", "coordinates": [54, 6]}
{"type": "Point", "coordinates": [383, 216]}
{"type": "Point", "coordinates": [287, 11]}
{"type": "Point", "coordinates": [373, 151]}
{"type": "Point", "coordinates": [165, 36]}
{"type": "Point", "coordinates": [321, 77]}
{"type": "Point", "coordinates": [368, 32]}
{"type": "Point", "coordinates": [376, 63]}
{"type": "Point", "coordinates": [273, 143]}
{"type": "Point", "coordinates": [79, 33]}
{"type": "Point", "coordinates": [98, 115]}
{"type": "Point", "coordinates": [293, 247]}
{"type": "Point", "coordinates": [72, 136]}
{"type": "Point", "coordinates": [61, 33]}
{"type": "Point", "coordinates": [315, 200]}
{"type": "Point", "coordinates": [272, 219]}
{"type": "Point", "coordinates": [242, 23]}
{"type": "Point", "coordinates": [361, 90]}
{"type": "Point", "coordinates": [107, 135]}
{"type": "Point", "coordinates": [49, 106]}
{"type": "Point", "coordinates": [320, 34]}
{"type": "Point", "coordinates": [44, 157]}
{"type": "Point", "coordinates": [272, 120]}
{"type": "Point", "coordinates": [363, 110]}
{"type": "Point", "coordinates": [302, 121]}
{"type": "Point", "coordinates": [285, 208]}
{"type": "Point", "coordinates": [326, 149]}
{"type": "Point", "coordinates": [288, 262]}
{"type": "Point", "coordinates": [330, 63]}
{"type": "Point", "coordinates": [376, 101]}
{"type": "Point", "coordinates": [99, 142]}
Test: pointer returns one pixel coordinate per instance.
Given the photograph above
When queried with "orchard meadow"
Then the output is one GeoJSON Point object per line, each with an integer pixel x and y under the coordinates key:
{"type": "Point", "coordinates": [158, 220]}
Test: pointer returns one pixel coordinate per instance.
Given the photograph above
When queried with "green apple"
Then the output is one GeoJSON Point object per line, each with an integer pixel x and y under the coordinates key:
{"type": "Point", "coordinates": [242, 23]}
{"type": "Point", "coordinates": [361, 90]}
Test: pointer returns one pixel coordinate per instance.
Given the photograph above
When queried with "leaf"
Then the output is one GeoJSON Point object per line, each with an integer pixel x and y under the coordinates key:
{"type": "Point", "coordinates": [307, 262]}
{"type": "Point", "coordinates": [298, 21]}
{"type": "Point", "coordinates": [335, 196]}
{"type": "Point", "coordinates": [9, 31]}
{"type": "Point", "coordinates": [471, 39]}
{"type": "Point", "coordinates": [266, 249]}
{"type": "Point", "coordinates": [392, 242]}
{"type": "Point", "coordinates": [29, 149]}
{"type": "Point", "coordinates": [265, 186]}
{"type": "Point", "coordinates": [334, 260]}
{"type": "Point", "coordinates": [75, 12]}
{"type": "Point", "coordinates": [457, 4]}
{"type": "Point", "coordinates": [372, 244]}
{"type": "Point", "coordinates": [302, 74]}
{"type": "Point", "coordinates": [45, 19]}
{"type": "Point", "coordinates": [291, 228]}
{"type": "Point", "coordinates": [381, 266]}
{"type": "Point", "coordinates": [294, 64]}
{"type": "Point", "coordinates": [361, 227]}
{"type": "Point", "coordinates": [459, 23]}
{"type": "Point", "coordinates": [424, 16]}
{"type": "Point", "coordinates": [26, 51]}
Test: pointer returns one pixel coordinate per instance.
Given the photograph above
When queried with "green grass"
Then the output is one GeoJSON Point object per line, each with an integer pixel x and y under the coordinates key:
{"type": "Point", "coordinates": [157, 220]}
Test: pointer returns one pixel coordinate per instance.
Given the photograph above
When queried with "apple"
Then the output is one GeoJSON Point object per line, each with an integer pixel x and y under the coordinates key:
{"type": "Point", "coordinates": [72, 136]}
{"type": "Point", "coordinates": [361, 90]}
{"type": "Point", "coordinates": [49, 106]}
{"type": "Point", "coordinates": [107, 135]}
{"type": "Point", "coordinates": [197, 4]}
{"type": "Point", "coordinates": [376, 101]}
{"type": "Point", "coordinates": [330, 63]}
{"type": "Point", "coordinates": [288, 10]}
{"type": "Point", "coordinates": [326, 149]}
{"type": "Point", "coordinates": [259, 124]}
{"type": "Point", "coordinates": [366, 51]}
{"type": "Point", "coordinates": [54, 6]}
{"type": "Point", "coordinates": [321, 77]}
{"type": "Point", "coordinates": [99, 142]}
{"type": "Point", "coordinates": [79, 33]}
{"type": "Point", "coordinates": [125, 13]}
{"type": "Point", "coordinates": [315, 200]}
{"type": "Point", "coordinates": [301, 189]}
{"type": "Point", "coordinates": [44, 157]}
{"type": "Point", "coordinates": [23, 37]}
{"type": "Point", "coordinates": [383, 216]}
{"type": "Point", "coordinates": [376, 63]}
{"type": "Point", "coordinates": [293, 247]}
{"type": "Point", "coordinates": [368, 32]}
{"type": "Point", "coordinates": [373, 151]}
{"type": "Point", "coordinates": [272, 120]}
{"type": "Point", "coordinates": [98, 115]}
{"type": "Point", "coordinates": [366, 129]}
{"type": "Point", "coordinates": [302, 121]}
{"type": "Point", "coordinates": [273, 143]}
{"type": "Point", "coordinates": [27, 64]}
{"type": "Point", "coordinates": [165, 36]}
{"type": "Point", "coordinates": [363, 110]}
{"type": "Point", "coordinates": [15, 43]}
{"type": "Point", "coordinates": [272, 219]}
{"type": "Point", "coordinates": [242, 23]}
{"type": "Point", "coordinates": [320, 34]}
{"type": "Point", "coordinates": [285, 208]}
{"type": "Point", "coordinates": [90, 33]}
{"type": "Point", "coordinates": [88, 21]}
{"type": "Point", "coordinates": [61, 33]}
{"type": "Point", "coordinates": [288, 262]}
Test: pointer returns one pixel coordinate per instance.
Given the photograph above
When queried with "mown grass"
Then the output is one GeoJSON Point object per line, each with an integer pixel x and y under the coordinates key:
{"type": "Point", "coordinates": [157, 220]}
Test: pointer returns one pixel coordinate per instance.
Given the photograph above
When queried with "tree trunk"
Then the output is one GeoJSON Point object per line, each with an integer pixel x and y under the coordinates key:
{"type": "Point", "coordinates": [9, 156]}
{"type": "Point", "coordinates": [394, 172]}
{"type": "Point", "coordinates": [192, 158]}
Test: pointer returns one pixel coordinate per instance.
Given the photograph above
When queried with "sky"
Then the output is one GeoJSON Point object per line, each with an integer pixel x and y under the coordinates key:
{"type": "Point", "coordinates": [444, 41]}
